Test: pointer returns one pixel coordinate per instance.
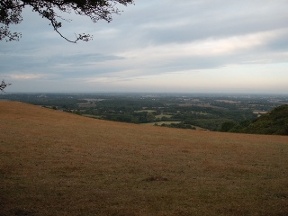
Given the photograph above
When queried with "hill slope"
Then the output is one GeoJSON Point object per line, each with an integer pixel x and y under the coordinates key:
{"type": "Point", "coordinates": [274, 122]}
{"type": "Point", "coordinates": [55, 163]}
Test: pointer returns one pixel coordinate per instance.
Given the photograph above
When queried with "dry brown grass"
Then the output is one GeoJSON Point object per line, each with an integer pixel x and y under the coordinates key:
{"type": "Point", "coordinates": [54, 163]}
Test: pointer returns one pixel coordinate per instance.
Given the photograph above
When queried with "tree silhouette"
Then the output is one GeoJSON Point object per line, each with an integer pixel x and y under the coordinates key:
{"type": "Point", "coordinates": [3, 85]}
{"type": "Point", "coordinates": [11, 10]}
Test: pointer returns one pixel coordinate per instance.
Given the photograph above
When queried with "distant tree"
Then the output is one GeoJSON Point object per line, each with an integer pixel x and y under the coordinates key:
{"type": "Point", "coordinates": [227, 126]}
{"type": "Point", "coordinates": [3, 85]}
{"type": "Point", "coordinates": [11, 10]}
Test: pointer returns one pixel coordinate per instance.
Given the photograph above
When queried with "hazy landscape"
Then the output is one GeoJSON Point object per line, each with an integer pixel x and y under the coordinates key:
{"type": "Point", "coordinates": [214, 112]}
{"type": "Point", "coordinates": [174, 108]}
{"type": "Point", "coordinates": [58, 163]}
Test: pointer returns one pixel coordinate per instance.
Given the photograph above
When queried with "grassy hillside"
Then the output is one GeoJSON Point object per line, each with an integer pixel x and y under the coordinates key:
{"type": "Point", "coordinates": [55, 163]}
{"type": "Point", "coordinates": [274, 122]}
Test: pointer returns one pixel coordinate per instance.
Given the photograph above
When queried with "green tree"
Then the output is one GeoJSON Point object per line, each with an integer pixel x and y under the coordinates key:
{"type": "Point", "coordinates": [11, 10]}
{"type": "Point", "coordinates": [227, 126]}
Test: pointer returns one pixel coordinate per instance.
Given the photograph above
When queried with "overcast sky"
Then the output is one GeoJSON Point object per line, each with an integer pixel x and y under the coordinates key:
{"type": "Point", "coordinates": [194, 46]}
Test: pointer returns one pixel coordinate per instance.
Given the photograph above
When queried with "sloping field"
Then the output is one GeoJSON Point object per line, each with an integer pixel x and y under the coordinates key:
{"type": "Point", "coordinates": [55, 163]}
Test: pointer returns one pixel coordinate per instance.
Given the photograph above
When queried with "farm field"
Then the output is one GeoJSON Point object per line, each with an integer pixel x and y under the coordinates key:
{"type": "Point", "coordinates": [216, 112]}
{"type": "Point", "coordinates": [58, 163]}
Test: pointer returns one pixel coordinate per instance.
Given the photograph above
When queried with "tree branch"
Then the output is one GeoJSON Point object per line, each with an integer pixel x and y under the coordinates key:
{"type": "Point", "coordinates": [10, 13]}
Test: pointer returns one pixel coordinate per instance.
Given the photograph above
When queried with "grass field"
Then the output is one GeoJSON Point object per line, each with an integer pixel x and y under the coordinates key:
{"type": "Point", "coordinates": [56, 163]}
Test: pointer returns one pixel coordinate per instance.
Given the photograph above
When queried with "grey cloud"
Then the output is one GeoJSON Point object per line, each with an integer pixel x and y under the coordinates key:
{"type": "Point", "coordinates": [33, 63]}
{"type": "Point", "coordinates": [149, 23]}
{"type": "Point", "coordinates": [203, 19]}
{"type": "Point", "coordinates": [216, 26]}
{"type": "Point", "coordinates": [82, 58]}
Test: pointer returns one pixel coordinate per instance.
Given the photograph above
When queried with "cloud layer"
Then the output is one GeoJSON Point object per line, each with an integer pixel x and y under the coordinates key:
{"type": "Point", "coordinates": [188, 46]}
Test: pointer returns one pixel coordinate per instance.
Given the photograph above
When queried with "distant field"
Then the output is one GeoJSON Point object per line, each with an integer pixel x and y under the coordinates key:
{"type": "Point", "coordinates": [148, 111]}
{"type": "Point", "coordinates": [91, 116]}
{"type": "Point", "coordinates": [57, 163]}
{"type": "Point", "coordinates": [163, 115]}
{"type": "Point", "coordinates": [162, 122]}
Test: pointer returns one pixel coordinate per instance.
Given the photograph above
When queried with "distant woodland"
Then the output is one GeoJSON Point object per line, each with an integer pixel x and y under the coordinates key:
{"type": "Point", "coordinates": [228, 113]}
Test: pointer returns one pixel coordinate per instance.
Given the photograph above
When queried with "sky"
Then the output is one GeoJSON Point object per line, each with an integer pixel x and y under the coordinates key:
{"type": "Point", "coordinates": [165, 46]}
